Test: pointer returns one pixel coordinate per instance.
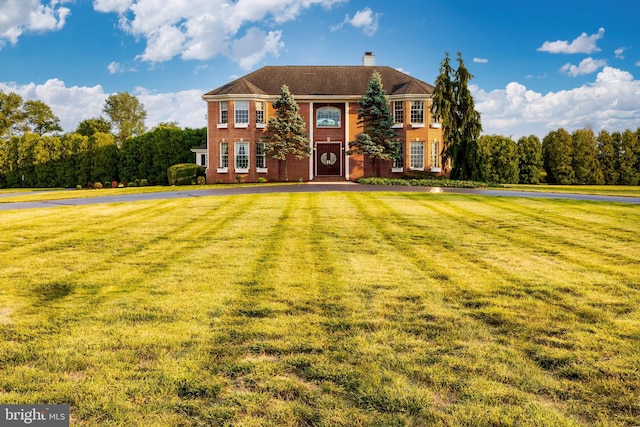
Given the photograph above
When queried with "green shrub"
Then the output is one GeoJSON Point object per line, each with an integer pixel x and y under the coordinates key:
{"type": "Point", "coordinates": [97, 186]}
{"type": "Point", "coordinates": [144, 182]}
{"type": "Point", "coordinates": [183, 173]}
{"type": "Point", "coordinates": [432, 182]}
{"type": "Point", "coordinates": [262, 180]}
{"type": "Point", "coordinates": [201, 180]}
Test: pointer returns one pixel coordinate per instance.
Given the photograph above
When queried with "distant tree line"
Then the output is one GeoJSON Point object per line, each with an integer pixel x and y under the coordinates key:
{"type": "Point", "coordinates": [35, 153]}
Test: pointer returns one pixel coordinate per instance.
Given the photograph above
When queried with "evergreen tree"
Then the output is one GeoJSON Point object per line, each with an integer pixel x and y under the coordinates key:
{"type": "Point", "coordinates": [557, 155]}
{"type": "Point", "coordinates": [453, 105]}
{"type": "Point", "coordinates": [285, 133]}
{"type": "Point", "coordinates": [374, 115]}
{"type": "Point", "coordinates": [608, 157]}
{"type": "Point", "coordinates": [529, 159]}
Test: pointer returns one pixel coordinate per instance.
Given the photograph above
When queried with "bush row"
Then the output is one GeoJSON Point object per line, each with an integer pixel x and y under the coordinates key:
{"type": "Point", "coordinates": [424, 182]}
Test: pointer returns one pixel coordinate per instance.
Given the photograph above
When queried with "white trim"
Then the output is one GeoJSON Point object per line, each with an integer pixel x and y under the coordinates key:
{"type": "Point", "coordinates": [222, 125]}
{"type": "Point", "coordinates": [315, 156]}
{"type": "Point", "coordinates": [398, 125]}
{"type": "Point", "coordinates": [397, 170]}
{"type": "Point", "coordinates": [435, 125]}
{"type": "Point", "coordinates": [223, 170]}
{"type": "Point", "coordinates": [436, 170]}
{"type": "Point", "coordinates": [242, 170]}
{"type": "Point", "coordinates": [347, 162]}
{"type": "Point", "coordinates": [261, 125]}
{"type": "Point", "coordinates": [241, 125]}
{"type": "Point", "coordinates": [310, 123]}
{"type": "Point", "coordinates": [417, 125]}
{"type": "Point", "coordinates": [262, 170]}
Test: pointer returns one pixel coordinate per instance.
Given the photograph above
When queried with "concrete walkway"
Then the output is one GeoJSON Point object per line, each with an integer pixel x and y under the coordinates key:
{"type": "Point", "coordinates": [304, 188]}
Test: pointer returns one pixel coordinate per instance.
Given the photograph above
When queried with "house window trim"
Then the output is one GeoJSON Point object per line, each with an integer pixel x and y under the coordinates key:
{"type": "Point", "coordinates": [328, 109]}
{"type": "Point", "coordinates": [223, 115]}
{"type": "Point", "coordinates": [413, 154]}
{"type": "Point", "coordinates": [416, 115]}
{"type": "Point", "coordinates": [261, 114]}
{"type": "Point", "coordinates": [398, 122]}
{"type": "Point", "coordinates": [237, 156]}
{"type": "Point", "coordinates": [224, 158]}
{"type": "Point", "coordinates": [261, 158]}
{"type": "Point", "coordinates": [394, 166]}
{"type": "Point", "coordinates": [434, 156]}
{"type": "Point", "coordinates": [239, 115]}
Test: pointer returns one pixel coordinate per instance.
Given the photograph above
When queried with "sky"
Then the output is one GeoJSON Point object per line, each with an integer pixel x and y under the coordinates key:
{"type": "Point", "coordinates": [537, 66]}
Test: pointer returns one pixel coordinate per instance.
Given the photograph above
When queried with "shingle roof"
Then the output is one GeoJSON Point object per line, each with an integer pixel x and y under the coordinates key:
{"type": "Point", "coordinates": [322, 80]}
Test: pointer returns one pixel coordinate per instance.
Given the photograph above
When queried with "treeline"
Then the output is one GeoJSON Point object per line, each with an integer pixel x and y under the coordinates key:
{"type": "Point", "coordinates": [32, 160]}
{"type": "Point", "coordinates": [564, 158]}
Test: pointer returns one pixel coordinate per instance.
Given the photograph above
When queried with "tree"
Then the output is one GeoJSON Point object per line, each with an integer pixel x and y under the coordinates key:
{"type": "Point", "coordinates": [40, 118]}
{"type": "Point", "coordinates": [500, 159]}
{"type": "Point", "coordinates": [529, 159]}
{"type": "Point", "coordinates": [608, 157]}
{"type": "Point", "coordinates": [285, 134]}
{"type": "Point", "coordinates": [453, 105]}
{"type": "Point", "coordinates": [584, 160]}
{"type": "Point", "coordinates": [11, 114]}
{"type": "Point", "coordinates": [629, 158]}
{"type": "Point", "coordinates": [91, 126]}
{"type": "Point", "coordinates": [126, 114]}
{"type": "Point", "coordinates": [374, 114]}
{"type": "Point", "coordinates": [557, 155]}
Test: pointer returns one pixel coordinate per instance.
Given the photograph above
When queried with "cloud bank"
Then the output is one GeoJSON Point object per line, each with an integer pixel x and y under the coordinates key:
{"type": "Point", "coordinates": [582, 44]}
{"type": "Point", "coordinates": [30, 16]}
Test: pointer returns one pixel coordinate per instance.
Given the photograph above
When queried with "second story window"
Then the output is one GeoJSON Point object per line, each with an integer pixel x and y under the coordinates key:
{"type": "Point", "coordinates": [260, 112]}
{"type": "Point", "coordinates": [224, 112]}
{"type": "Point", "coordinates": [241, 109]}
{"type": "Point", "coordinates": [417, 112]}
{"type": "Point", "coordinates": [398, 112]}
{"type": "Point", "coordinates": [328, 117]}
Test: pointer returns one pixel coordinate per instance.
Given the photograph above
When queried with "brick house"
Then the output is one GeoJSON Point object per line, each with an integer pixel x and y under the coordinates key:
{"type": "Point", "coordinates": [328, 96]}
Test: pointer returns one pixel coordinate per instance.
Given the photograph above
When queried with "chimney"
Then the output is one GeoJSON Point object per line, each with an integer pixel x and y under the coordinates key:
{"type": "Point", "coordinates": [369, 59]}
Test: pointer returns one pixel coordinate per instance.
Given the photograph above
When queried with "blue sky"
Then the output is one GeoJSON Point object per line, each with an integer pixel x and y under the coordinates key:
{"type": "Point", "coordinates": [538, 65]}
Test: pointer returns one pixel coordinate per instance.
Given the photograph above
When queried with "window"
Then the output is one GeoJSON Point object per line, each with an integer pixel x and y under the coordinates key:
{"type": "Point", "coordinates": [417, 156]}
{"type": "Point", "coordinates": [224, 112]}
{"type": "Point", "coordinates": [203, 160]}
{"type": "Point", "coordinates": [224, 155]}
{"type": "Point", "coordinates": [398, 159]}
{"type": "Point", "coordinates": [241, 156]}
{"type": "Point", "coordinates": [260, 112]}
{"type": "Point", "coordinates": [241, 109]}
{"type": "Point", "coordinates": [398, 112]}
{"type": "Point", "coordinates": [261, 160]}
{"type": "Point", "coordinates": [434, 156]}
{"type": "Point", "coordinates": [417, 111]}
{"type": "Point", "coordinates": [328, 117]}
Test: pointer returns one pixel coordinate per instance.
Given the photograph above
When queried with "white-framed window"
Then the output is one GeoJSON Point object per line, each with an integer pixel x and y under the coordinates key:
{"type": "Point", "coordinates": [224, 157]}
{"type": "Point", "coordinates": [261, 158]}
{"type": "Point", "coordinates": [203, 160]}
{"type": "Point", "coordinates": [241, 113]}
{"type": "Point", "coordinates": [416, 160]}
{"type": "Point", "coordinates": [434, 155]}
{"type": "Point", "coordinates": [224, 113]}
{"type": "Point", "coordinates": [398, 158]}
{"type": "Point", "coordinates": [241, 156]}
{"type": "Point", "coordinates": [417, 112]}
{"type": "Point", "coordinates": [260, 116]}
{"type": "Point", "coordinates": [328, 117]}
{"type": "Point", "coordinates": [398, 112]}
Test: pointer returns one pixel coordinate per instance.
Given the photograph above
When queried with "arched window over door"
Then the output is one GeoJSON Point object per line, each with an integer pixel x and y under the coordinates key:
{"type": "Point", "coordinates": [328, 117]}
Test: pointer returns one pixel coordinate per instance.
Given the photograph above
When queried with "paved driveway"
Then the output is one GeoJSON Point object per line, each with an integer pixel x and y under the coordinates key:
{"type": "Point", "coordinates": [303, 188]}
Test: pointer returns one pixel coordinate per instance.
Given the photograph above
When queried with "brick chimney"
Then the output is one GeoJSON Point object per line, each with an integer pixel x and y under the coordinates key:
{"type": "Point", "coordinates": [369, 59]}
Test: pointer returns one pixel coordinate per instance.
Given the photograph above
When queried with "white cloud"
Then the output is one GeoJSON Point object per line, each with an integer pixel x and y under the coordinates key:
{"type": "Point", "coordinates": [115, 67]}
{"type": "Point", "coordinates": [203, 29]}
{"type": "Point", "coordinates": [480, 60]}
{"type": "Point", "coordinates": [611, 102]}
{"type": "Point", "coordinates": [363, 19]}
{"type": "Point", "coordinates": [620, 52]}
{"type": "Point", "coordinates": [582, 44]}
{"type": "Point", "coordinates": [586, 66]}
{"type": "Point", "coordinates": [74, 104]}
{"type": "Point", "coordinates": [28, 16]}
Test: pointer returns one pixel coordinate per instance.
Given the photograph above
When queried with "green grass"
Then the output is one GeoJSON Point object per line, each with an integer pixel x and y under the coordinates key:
{"type": "Point", "coordinates": [601, 190]}
{"type": "Point", "coordinates": [324, 309]}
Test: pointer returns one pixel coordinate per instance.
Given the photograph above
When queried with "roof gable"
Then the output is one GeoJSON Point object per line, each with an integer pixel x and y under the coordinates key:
{"type": "Point", "coordinates": [322, 80]}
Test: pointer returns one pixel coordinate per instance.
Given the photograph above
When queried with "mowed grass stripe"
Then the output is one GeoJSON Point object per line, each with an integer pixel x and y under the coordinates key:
{"type": "Point", "coordinates": [322, 309]}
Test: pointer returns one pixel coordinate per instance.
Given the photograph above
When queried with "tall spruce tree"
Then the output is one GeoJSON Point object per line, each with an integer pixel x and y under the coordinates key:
{"type": "Point", "coordinates": [286, 132]}
{"type": "Point", "coordinates": [376, 140]}
{"type": "Point", "coordinates": [453, 105]}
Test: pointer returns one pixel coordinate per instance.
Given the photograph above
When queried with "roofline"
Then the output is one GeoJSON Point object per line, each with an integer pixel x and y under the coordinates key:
{"type": "Point", "coordinates": [310, 98]}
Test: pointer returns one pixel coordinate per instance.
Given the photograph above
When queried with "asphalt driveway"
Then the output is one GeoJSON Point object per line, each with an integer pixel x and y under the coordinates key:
{"type": "Point", "coordinates": [304, 188]}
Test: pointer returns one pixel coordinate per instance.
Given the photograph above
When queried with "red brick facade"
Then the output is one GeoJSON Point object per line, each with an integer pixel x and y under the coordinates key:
{"type": "Point", "coordinates": [234, 151]}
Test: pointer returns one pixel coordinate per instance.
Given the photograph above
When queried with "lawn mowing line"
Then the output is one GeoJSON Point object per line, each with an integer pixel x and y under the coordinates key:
{"type": "Point", "coordinates": [519, 238]}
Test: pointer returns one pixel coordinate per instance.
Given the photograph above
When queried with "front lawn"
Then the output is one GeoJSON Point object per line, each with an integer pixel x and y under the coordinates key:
{"type": "Point", "coordinates": [324, 309]}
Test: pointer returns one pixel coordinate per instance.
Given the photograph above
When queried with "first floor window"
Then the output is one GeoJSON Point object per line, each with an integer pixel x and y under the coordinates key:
{"type": "Point", "coordinates": [435, 155]}
{"type": "Point", "coordinates": [260, 112]}
{"type": "Point", "coordinates": [203, 160]}
{"type": "Point", "coordinates": [224, 112]}
{"type": "Point", "coordinates": [261, 161]}
{"type": "Point", "coordinates": [398, 112]}
{"type": "Point", "coordinates": [398, 155]}
{"type": "Point", "coordinates": [328, 117]}
{"type": "Point", "coordinates": [417, 111]}
{"type": "Point", "coordinates": [241, 155]}
{"type": "Point", "coordinates": [241, 109]}
{"type": "Point", "coordinates": [417, 155]}
{"type": "Point", "coordinates": [224, 154]}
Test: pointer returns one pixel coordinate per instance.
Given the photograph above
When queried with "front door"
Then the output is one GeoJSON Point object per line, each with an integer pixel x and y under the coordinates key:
{"type": "Point", "coordinates": [328, 160]}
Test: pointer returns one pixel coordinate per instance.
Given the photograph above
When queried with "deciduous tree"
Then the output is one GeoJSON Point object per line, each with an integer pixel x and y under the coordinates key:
{"type": "Point", "coordinates": [126, 114]}
{"type": "Point", "coordinates": [529, 159]}
{"type": "Point", "coordinates": [285, 134]}
{"type": "Point", "coordinates": [557, 155]}
{"type": "Point", "coordinates": [584, 160]}
{"type": "Point", "coordinates": [40, 119]}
